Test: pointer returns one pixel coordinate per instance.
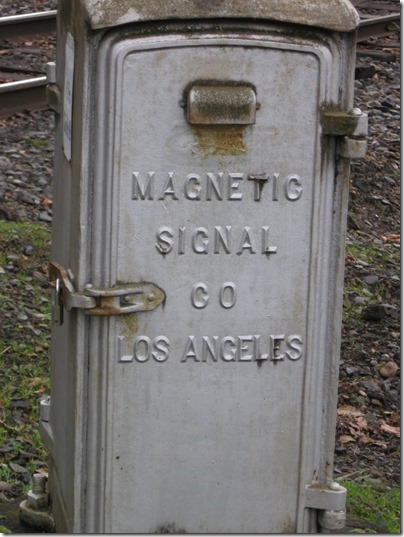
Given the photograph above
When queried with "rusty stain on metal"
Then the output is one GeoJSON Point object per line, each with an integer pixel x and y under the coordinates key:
{"type": "Point", "coordinates": [130, 325]}
{"type": "Point", "coordinates": [220, 140]}
{"type": "Point", "coordinates": [289, 526]}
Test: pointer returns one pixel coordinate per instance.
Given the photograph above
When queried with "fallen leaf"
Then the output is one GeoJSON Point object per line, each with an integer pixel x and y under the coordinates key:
{"type": "Point", "coordinates": [391, 237]}
{"type": "Point", "coordinates": [390, 429]}
{"type": "Point", "coordinates": [361, 422]}
{"type": "Point", "coordinates": [348, 409]}
{"type": "Point", "coordinates": [345, 439]}
{"type": "Point", "coordinates": [46, 202]}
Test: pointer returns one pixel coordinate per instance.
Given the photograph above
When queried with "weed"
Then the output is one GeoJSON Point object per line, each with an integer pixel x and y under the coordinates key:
{"type": "Point", "coordinates": [380, 506]}
{"type": "Point", "coordinates": [24, 344]}
{"type": "Point", "coordinates": [38, 143]}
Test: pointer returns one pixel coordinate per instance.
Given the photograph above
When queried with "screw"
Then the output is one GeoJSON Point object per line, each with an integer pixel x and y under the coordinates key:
{"type": "Point", "coordinates": [151, 297]}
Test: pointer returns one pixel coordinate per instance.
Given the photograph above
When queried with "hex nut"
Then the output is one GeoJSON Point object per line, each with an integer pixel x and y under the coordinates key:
{"type": "Point", "coordinates": [37, 502]}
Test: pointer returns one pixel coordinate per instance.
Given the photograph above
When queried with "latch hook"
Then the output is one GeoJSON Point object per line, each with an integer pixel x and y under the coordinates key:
{"type": "Point", "coordinates": [117, 300]}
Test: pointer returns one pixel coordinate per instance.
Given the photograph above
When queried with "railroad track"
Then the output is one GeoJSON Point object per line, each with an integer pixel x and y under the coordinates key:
{"type": "Point", "coordinates": [30, 94]}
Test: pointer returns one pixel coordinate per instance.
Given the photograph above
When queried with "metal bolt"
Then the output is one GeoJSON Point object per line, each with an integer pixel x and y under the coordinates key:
{"type": "Point", "coordinates": [44, 409]}
{"type": "Point", "coordinates": [51, 72]}
{"type": "Point", "coordinates": [151, 297]}
{"type": "Point", "coordinates": [38, 483]}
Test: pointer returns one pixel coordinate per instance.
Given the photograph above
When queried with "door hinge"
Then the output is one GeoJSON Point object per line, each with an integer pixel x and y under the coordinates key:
{"type": "Point", "coordinates": [352, 127]}
{"type": "Point", "coordinates": [116, 300]}
{"type": "Point", "coordinates": [329, 499]}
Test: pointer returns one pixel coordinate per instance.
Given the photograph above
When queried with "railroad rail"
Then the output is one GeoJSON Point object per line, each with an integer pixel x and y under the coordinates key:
{"type": "Point", "coordinates": [30, 94]}
{"type": "Point", "coordinates": [29, 24]}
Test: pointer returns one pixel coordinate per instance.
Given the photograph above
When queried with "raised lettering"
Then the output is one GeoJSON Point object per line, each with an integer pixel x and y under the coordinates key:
{"type": "Point", "coordinates": [181, 240]}
{"type": "Point", "coordinates": [245, 353]}
{"type": "Point", "coordinates": [192, 187]}
{"type": "Point", "coordinates": [165, 241]}
{"type": "Point", "coordinates": [246, 242]}
{"type": "Point", "coordinates": [122, 357]}
{"type": "Point", "coordinates": [266, 249]}
{"type": "Point", "coordinates": [245, 348]}
{"type": "Point", "coordinates": [234, 185]}
{"type": "Point", "coordinates": [228, 355]}
{"type": "Point", "coordinates": [214, 184]}
{"type": "Point", "coordinates": [162, 344]}
{"type": "Point", "coordinates": [293, 187]}
{"type": "Point", "coordinates": [168, 188]}
{"type": "Point", "coordinates": [222, 238]}
{"type": "Point", "coordinates": [227, 295]}
{"type": "Point", "coordinates": [275, 186]}
{"type": "Point", "coordinates": [276, 342]}
{"type": "Point", "coordinates": [257, 354]}
{"type": "Point", "coordinates": [210, 346]}
{"type": "Point", "coordinates": [199, 295]}
{"type": "Point", "coordinates": [142, 349]}
{"type": "Point", "coordinates": [294, 345]}
{"type": "Point", "coordinates": [145, 191]}
{"type": "Point", "coordinates": [190, 351]}
{"type": "Point", "coordinates": [200, 240]}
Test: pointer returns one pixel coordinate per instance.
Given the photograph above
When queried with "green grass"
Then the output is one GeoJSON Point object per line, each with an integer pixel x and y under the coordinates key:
{"type": "Point", "coordinates": [24, 343]}
{"type": "Point", "coordinates": [38, 143]}
{"type": "Point", "coordinates": [376, 504]}
{"type": "Point", "coordinates": [24, 365]}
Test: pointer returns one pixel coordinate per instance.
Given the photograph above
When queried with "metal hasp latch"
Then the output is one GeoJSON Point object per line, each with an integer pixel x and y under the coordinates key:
{"type": "Point", "coordinates": [330, 501]}
{"type": "Point", "coordinates": [117, 300]}
{"type": "Point", "coordinates": [351, 126]}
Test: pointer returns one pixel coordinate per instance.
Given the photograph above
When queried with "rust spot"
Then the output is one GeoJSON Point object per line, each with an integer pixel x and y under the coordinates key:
{"type": "Point", "coordinates": [220, 140]}
{"type": "Point", "coordinates": [288, 526]}
{"type": "Point", "coordinates": [130, 325]}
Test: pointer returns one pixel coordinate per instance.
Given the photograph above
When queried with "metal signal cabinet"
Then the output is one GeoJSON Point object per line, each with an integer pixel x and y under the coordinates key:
{"type": "Point", "coordinates": [200, 199]}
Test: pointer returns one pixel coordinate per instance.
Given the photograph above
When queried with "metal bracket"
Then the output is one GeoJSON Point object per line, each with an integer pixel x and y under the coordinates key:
{"type": "Point", "coordinates": [329, 499]}
{"type": "Point", "coordinates": [117, 300]}
{"type": "Point", "coordinates": [352, 126]}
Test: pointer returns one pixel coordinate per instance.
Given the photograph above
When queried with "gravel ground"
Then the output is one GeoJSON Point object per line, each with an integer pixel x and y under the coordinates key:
{"type": "Point", "coordinates": [369, 390]}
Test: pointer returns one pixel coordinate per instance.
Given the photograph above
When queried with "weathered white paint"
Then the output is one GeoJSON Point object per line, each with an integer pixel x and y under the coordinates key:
{"type": "Point", "coordinates": [212, 413]}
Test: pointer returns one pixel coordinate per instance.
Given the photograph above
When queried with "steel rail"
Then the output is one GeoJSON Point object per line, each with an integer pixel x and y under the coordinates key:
{"type": "Point", "coordinates": [23, 95]}
{"type": "Point", "coordinates": [30, 94]}
{"type": "Point", "coordinates": [377, 26]}
{"type": "Point", "coordinates": [29, 24]}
